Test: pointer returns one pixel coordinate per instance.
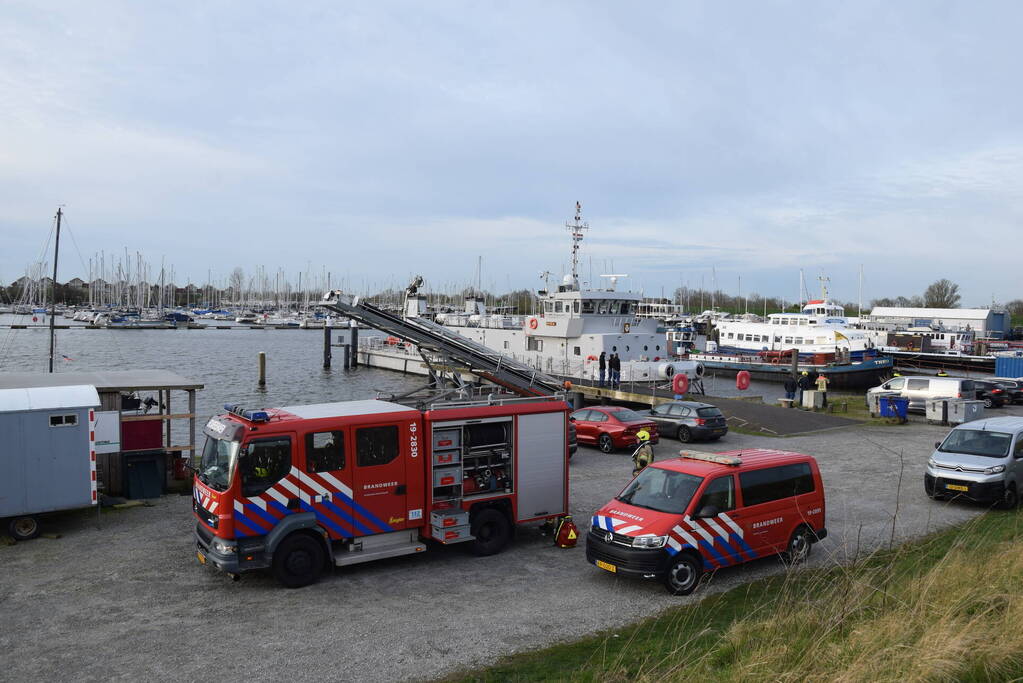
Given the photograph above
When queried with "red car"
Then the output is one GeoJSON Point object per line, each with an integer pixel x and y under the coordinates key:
{"type": "Point", "coordinates": [611, 427]}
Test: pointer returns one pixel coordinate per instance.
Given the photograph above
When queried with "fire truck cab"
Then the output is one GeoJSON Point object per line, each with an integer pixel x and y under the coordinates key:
{"type": "Point", "coordinates": [300, 488]}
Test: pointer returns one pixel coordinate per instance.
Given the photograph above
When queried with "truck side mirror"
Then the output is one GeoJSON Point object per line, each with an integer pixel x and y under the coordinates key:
{"type": "Point", "coordinates": [708, 511]}
{"type": "Point", "coordinates": [571, 418]}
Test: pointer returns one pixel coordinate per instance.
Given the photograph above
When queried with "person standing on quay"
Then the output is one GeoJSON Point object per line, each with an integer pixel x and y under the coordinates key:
{"type": "Point", "coordinates": [602, 366]}
{"type": "Point", "coordinates": [615, 366]}
{"type": "Point", "coordinates": [822, 387]}
{"type": "Point", "coordinates": [790, 388]}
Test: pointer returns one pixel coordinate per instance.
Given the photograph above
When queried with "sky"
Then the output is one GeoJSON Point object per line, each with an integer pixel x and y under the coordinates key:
{"type": "Point", "coordinates": [709, 143]}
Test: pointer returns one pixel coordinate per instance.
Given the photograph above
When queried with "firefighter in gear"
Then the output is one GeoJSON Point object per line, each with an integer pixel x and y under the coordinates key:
{"type": "Point", "coordinates": [644, 453]}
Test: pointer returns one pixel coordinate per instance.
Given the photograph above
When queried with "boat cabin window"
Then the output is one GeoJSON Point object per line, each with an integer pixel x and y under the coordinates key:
{"type": "Point", "coordinates": [263, 463]}
{"type": "Point", "coordinates": [534, 344]}
{"type": "Point", "coordinates": [587, 306]}
{"type": "Point", "coordinates": [731, 335]}
{"type": "Point", "coordinates": [557, 307]}
{"type": "Point", "coordinates": [324, 451]}
{"type": "Point", "coordinates": [575, 306]}
{"type": "Point", "coordinates": [576, 351]}
{"type": "Point", "coordinates": [602, 307]}
{"type": "Point", "coordinates": [799, 340]}
{"type": "Point", "coordinates": [625, 307]}
{"type": "Point", "coordinates": [788, 340]}
{"type": "Point", "coordinates": [777, 339]}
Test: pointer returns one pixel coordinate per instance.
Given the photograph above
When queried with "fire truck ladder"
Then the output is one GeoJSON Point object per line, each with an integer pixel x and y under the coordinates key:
{"type": "Point", "coordinates": [429, 336]}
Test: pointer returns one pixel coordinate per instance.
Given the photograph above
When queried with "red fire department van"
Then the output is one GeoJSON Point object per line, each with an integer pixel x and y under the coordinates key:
{"type": "Point", "coordinates": [683, 517]}
{"type": "Point", "coordinates": [300, 488]}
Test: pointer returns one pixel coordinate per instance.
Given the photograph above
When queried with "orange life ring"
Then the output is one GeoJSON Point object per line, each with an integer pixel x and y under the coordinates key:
{"type": "Point", "coordinates": [680, 383]}
{"type": "Point", "coordinates": [742, 380]}
{"type": "Point", "coordinates": [533, 323]}
{"type": "Point", "coordinates": [391, 340]}
{"type": "Point", "coordinates": [775, 361]}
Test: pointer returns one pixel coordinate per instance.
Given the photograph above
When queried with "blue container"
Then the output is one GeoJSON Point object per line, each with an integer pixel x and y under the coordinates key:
{"type": "Point", "coordinates": [894, 406]}
{"type": "Point", "coordinates": [1011, 366]}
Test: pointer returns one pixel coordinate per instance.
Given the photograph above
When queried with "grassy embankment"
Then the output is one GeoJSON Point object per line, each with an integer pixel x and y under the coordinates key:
{"type": "Point", "coordinates": [948, 607]}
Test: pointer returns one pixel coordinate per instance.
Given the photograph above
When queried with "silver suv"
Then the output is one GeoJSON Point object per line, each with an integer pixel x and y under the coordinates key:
{"type": "Point", "coordinates": [980, 461]}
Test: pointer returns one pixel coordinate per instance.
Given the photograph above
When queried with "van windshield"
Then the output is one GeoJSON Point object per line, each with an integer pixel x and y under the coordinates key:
{"type": "Point", "coordinates": [661, 490]}
{"type": "Point", "coordinates": [977, 442]}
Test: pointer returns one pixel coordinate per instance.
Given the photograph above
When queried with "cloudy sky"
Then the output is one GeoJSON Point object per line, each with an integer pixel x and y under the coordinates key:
{"type": "Point", "coordinates": [377, 140]}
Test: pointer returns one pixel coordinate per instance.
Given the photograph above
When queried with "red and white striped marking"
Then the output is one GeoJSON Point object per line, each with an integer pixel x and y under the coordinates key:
{"type": "Point", "coordinates": [92, 456]}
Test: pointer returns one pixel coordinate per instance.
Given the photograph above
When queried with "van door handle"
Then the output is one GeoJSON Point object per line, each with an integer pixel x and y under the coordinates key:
{"type": "Point", "coordinates": [399, 490]}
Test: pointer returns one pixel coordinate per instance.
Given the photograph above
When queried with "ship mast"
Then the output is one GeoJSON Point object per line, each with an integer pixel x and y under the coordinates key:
{"type": "Point", "coordinates": [576, 228]}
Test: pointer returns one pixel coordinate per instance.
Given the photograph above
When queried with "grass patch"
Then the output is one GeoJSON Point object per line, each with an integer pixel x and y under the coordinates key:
{"type": "Point", "coordinates": [947, 607]}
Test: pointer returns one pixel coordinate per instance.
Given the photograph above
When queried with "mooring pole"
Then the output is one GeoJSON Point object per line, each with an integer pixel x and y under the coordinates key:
{"type": "Point", "coordinates": [326, 345]}
{"type": "Point", "coordinates": [354, 339]}
{"type": "Point", "coordinates": [262, 368]}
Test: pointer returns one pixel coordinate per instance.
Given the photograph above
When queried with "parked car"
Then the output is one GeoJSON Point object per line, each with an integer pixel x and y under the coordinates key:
{"type": "Point", "coordinates": [919, 389]}
{"type": "Point", "coordinates": [683, 517]}
{"type": "Point", "coordinates": [981, 461]}
{"type": "Point", "coordinates": [1013, 388]}
{"type": "Point", "coordinates": [688, 420]}
{"type": "Point", "coordinates": [990, 393]}
{"type": "Point", "coordinates": [611, 427]}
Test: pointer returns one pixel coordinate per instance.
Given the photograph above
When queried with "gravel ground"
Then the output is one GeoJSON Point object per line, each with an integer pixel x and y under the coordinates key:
{"type": "Point", "coordinates": [125, 599]}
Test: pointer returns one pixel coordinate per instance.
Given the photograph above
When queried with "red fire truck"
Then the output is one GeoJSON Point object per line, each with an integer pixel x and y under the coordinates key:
{"type": "Point", "coordinates": [298, 489]}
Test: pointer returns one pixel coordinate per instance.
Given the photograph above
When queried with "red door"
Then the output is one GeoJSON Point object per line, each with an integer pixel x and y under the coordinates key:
{"type": "Point", "coordinates": [379, 483]}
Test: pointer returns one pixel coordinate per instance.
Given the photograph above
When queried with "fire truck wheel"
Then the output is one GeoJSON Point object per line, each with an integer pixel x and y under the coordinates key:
{"type": "Point", "coordinates": [799, 546]}
{"type": "Point", "coordinates": [492, 532]}
{"type": "Point", "coordinates": [605, 443]}
{"type": "Point", "coordinates": [683, 575]}
{"type": "Point", "coordinates": [23, 528]}
{"type": "Point", "coordinates": [298, 561]}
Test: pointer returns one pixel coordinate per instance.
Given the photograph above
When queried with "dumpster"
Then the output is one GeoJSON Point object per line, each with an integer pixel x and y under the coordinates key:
{"type": "Point", "coordinates": [812, 399]}
{"type": "Point", "coordinates": [894, 406]}
{"type": "Point", "coordinates": [145, 474]}
{"type": "Point", "coordinates": [964, 410]}
{"type": "Point", "coordinates": [874, 401]}
{"type": "Point", "coordinates": [937, 410]}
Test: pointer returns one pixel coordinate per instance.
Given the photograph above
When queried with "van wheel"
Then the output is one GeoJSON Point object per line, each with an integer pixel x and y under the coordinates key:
{"type": "Point", "coordinates": [491, 530]}
{"type": "Point", "coordinates": [1010, 499]}
{"type": "Point", "coordinates": [799, 546]}
{"type": "Point", "coordinates": [23, 528]}
{"type": "Point", "coordinates": [298, 561]}
{"type": "Point", "coordinates": [605, 443]}
{"type": "Point", "coordinates": [684, 435]}
{"type": "Point", "coordinates": [683, 575]}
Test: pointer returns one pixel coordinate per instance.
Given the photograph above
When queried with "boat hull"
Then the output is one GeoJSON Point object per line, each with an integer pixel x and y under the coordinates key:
{"type": "Point", "coordinates": [861, 375]}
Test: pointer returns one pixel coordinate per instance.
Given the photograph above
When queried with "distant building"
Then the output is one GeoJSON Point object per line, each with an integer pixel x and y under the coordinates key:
{"type": "Point", "coordinates": [984, 322]}
{"type": "Point", "coordinates": [77, 283]}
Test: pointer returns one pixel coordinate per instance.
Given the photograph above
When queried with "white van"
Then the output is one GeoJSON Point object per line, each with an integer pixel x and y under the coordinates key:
{"type": "Point", "coordinates": [980, 461]}
{"type": "Point", "coordinates": [919, 389]}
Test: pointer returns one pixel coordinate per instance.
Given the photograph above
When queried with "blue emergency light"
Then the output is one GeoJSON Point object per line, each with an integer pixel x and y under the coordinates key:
{"type": "Point", "coordinates": [250, 415]}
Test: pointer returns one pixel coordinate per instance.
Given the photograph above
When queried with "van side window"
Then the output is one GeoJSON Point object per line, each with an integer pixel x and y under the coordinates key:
{"type": "Point", "coordinates": [263, 463]}
{"type": "Point", "coordinates": [775, 483]}
{"type": "Point", "coordinates": [1017, 452]}
{"type": "Point", "coordinates": [720, 493]}
{"type": "Point", "coordinates": [896, 384]}
{"type": "Point", "coordinates": [376, 445]}
{"type": "Point", "coordinates": [917, 384]}
{"type": "Point", "coordinates": [324, 451]}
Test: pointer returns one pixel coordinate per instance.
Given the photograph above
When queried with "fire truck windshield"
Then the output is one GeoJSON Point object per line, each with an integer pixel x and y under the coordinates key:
{"type": "Point", "coordinates": [219, 458]}
{"type": "Point", "coordinates": [661, 490]}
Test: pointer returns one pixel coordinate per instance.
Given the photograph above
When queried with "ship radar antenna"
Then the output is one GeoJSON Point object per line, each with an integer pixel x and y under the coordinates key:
{"type": "Point", "coordinates": [824, 286]}
{"type": "Point", "coordinates": [576, 227]}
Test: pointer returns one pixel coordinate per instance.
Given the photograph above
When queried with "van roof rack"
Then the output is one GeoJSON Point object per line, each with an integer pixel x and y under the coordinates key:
{"type": "Point", "coordinates": [732, 460]}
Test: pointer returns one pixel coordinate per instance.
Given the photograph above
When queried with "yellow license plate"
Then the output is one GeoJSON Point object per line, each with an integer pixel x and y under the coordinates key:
{"type": "Point", "coordinates": [609, 567]}
{"type": "Point", "coordinates": [957, 487]}
{"type": "Point", "coordinates": [202, 558]}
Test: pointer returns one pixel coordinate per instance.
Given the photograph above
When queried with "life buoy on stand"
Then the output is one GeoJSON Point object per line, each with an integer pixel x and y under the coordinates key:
{"type": "Point", "coordinates": [680, 383]}
{"type": "Point", "coordinates": [625, 329]}
{"type": "Point", "coordinates": [533, 323]}
{"type": "Point", "coordinates": [742, 380]}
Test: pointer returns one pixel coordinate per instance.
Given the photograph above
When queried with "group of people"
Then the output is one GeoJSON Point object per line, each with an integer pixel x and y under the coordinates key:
{"type": "Point", "coordinates": [610, 368]}
{"type": "Point", "coordinates": [794, 388]}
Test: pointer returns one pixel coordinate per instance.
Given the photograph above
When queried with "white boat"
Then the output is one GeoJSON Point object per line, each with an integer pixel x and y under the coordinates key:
{"type": "Point", "coordinates": [571, 328]}
{"type": "Point", "coordinates": [820, 327]}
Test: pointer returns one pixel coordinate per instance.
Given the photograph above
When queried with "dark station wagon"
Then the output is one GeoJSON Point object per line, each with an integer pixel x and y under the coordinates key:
{"type": "Point", "coordinates": [688, 420]}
